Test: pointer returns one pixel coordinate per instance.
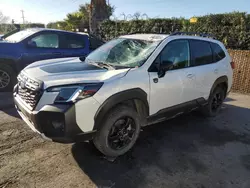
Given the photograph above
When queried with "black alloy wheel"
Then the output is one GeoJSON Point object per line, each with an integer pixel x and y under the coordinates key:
{"type": "Point", "coordinates": [217, 101]}
{"type": "Point", "coordinates": [121, 133]}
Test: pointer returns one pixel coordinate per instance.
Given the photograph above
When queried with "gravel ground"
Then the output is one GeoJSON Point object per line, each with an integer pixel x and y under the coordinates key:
{"type": "Point", "coordinates": [186, 152]}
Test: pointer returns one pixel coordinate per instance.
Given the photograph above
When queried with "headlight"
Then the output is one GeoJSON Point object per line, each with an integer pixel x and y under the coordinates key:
{"type": "Point", "coordinates": [72, 93]}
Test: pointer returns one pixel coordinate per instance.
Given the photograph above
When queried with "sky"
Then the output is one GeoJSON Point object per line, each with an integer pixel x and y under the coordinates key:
{"type": "Point", "coordinates": [45, 11]}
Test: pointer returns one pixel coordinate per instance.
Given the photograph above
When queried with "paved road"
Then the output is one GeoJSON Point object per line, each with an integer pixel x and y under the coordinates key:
{"type": "Point", "coordinates": [186, 152]}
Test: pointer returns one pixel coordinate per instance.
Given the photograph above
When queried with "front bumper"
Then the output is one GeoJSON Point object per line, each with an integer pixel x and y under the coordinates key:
{"type": "Point", "coordinates": [56, 122]}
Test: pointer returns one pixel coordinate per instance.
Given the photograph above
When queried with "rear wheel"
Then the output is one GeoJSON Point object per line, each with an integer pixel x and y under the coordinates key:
{"type": "Point", "coordinates": [119, 132]}
{"type": "Point", "coordinates": [215, 102]}
{"type": "Point", "coordinates": [7, 78]}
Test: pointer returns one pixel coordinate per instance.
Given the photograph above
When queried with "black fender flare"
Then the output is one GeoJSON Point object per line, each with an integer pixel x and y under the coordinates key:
{"type": "Point", "coordinates": [123, 96]}
{"type": "Point", "coordinates": [10, 63]}
{"type": "Point", "coordinates": [218, 81]}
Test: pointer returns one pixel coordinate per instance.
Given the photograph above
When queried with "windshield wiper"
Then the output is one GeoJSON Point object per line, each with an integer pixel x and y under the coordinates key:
{"type": "Point", "coordinates": [106, 65]}
{"type": "Point", "coordinates": [102, 65]}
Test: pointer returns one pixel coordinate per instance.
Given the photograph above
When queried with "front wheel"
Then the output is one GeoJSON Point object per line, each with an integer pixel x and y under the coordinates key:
{"type": "Point", "coordinates": [119, 132]}
{"type": "Point", "coordinates": [7, 78]}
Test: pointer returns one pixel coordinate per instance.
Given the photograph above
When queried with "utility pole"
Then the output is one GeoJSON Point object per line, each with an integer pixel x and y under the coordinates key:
{"type": "Point", "coordinates": [23, 16]}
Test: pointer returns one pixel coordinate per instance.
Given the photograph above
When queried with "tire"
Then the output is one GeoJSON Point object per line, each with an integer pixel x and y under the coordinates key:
{"type": "Point", "coordinates": [214, 105]}
{"type": "Point", "coordinates": [7, 78]}
{"type": "Point", "coordinates": [119, 117]}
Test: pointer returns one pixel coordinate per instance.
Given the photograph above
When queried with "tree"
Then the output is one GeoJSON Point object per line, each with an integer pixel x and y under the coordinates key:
{"type": "Point", "coordinates": [74, 20]}
{"type": "Point", "coordinates": [98, 13]}
{"type": "Point", "coordinates": [78, 20]}
{"type": "Point", "coordinates": [3, 19]}
{"type": "Point", "coordinates": [85, 9]}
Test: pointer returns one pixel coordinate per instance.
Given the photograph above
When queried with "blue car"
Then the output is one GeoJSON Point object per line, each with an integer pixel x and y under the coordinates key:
{"type": "Point", "coordinates": [27, 46]}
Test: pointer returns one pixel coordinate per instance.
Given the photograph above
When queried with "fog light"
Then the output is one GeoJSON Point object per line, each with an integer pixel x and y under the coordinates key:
{"type": "Point", "coordinates": [58, 124]}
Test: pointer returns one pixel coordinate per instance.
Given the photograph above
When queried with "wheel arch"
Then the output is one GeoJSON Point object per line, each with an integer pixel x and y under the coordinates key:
{"type": "Point", "coordinates": [223, 81]}
{"type": "Point", "coordinates": [10, 63]}
{"type": "Point", "coordinates": [136, 98]}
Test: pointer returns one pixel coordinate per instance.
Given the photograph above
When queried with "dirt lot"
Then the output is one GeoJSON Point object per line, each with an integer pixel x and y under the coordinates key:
{"type": "Point", "coordinates": [186, 152]}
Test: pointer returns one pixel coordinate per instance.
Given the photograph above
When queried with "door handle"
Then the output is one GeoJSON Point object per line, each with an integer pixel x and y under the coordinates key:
{"type": "Point", "coordinates": [215, 71]}
{"type": "Point", "coordinates": [56, 53]}
{"type": "Point", "coordinates": [190, 75]}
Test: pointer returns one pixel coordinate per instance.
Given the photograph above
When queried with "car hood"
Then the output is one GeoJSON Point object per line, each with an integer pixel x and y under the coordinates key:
{"type": "Point", "coordinates": [5, 42]}
{"type": "Point", "coordinates": [65, 71]}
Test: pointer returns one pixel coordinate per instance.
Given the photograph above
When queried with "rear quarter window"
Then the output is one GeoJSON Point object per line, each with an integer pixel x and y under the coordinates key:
{"type": "Point", "coordinates": [218, 52]}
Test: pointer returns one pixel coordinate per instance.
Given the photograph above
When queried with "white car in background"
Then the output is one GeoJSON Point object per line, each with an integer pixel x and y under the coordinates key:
{"type": "Point", "coordinates": [129, 82]}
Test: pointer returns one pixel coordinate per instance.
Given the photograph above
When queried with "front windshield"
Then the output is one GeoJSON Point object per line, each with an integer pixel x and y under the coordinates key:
{"type": "Point", "coordinates": [124, 52]}
{"type": "Point", "coordinates": [17, 37]}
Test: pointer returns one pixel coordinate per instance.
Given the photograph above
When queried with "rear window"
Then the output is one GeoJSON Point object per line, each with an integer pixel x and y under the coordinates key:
{"type": "Point", "coordinates": [201, 52]}
{"type": "Point", "coordinates": [219, 53]}
{"type": "Point", "coordinates": [73, 41]}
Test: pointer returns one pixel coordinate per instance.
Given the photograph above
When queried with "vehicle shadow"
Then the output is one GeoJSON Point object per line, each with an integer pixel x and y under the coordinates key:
{"type": "Point", "coordinates": [7, 104]}
{"type": "Point", "coordinates": [164, 149]}
{"type": "Point", "coordinates": [228, 99]}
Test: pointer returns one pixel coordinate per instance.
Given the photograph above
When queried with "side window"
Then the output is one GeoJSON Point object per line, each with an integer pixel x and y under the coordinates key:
{"type": "Point", "coordinates": [201, 52]}
{"type": "Point", "coordinates": [73, 41]}
{"type": "Point", "coordinates": [45, 41]}
{"type": "Point", "coordinates": [219, 53]}
{"type": "Point", "coordinates": [177, 53]}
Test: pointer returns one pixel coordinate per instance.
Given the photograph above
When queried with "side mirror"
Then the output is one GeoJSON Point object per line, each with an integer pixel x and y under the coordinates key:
{"type": "Point", "coordinates": [32, 44]}
{"type": "Point", "coordinates": [82, 58]}
{"type": "Point", "coordinates": [164, 67]}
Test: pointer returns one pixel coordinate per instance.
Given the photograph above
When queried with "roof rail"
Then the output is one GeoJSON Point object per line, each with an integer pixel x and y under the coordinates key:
{"type": "Point", "coordinates": [193, 34]}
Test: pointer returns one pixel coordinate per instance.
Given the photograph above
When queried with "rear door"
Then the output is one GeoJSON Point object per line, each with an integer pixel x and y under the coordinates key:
{"type": "Point", "coordinates": [41, 46]}
{"type": "Point", "coordinates": [203, 66]}
{"type": "Point", "coordinates": [74, 45]}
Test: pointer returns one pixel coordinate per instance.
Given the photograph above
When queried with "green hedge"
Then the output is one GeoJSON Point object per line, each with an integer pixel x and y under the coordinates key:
{"type": "Point", "coordinates": [233, 29]}
{"type": "Point", "coordinates": [6, 28]}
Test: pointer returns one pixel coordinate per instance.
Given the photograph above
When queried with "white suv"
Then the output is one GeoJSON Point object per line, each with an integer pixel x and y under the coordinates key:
{"type": "Point", "coordinates": [130, 82]}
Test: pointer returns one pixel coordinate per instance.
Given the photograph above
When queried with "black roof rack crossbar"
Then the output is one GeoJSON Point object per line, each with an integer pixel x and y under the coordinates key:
{"type": "Point", "coordinates": [193, 34]}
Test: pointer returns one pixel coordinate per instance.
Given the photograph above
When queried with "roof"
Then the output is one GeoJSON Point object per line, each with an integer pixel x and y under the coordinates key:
{"type": "Point", "coordinates": [58, 30]}
{"type": "Point", "coordinates": [160, 37]}
{"type": "Point", "coordinates": [149, 37]}
{"type": "Point", "coordinates": [194, 37]}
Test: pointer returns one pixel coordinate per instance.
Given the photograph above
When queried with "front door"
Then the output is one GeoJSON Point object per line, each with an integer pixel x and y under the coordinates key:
{"type": "Point", "coordinates": [44, 45]}
{"type": "Point", "coordinates": [176, 86]}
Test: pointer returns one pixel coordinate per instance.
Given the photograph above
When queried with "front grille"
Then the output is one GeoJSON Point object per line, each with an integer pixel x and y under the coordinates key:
{"type": "Point", "coordinates": [29, 90]}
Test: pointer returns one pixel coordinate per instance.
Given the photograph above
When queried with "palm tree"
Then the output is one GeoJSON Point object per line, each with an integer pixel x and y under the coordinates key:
{"type": "Point", "coordinates": [98, 13]}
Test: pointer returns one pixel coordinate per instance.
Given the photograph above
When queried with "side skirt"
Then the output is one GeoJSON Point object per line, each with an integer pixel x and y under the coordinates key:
{"type": "Point", "coordinates": [172, 112]}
